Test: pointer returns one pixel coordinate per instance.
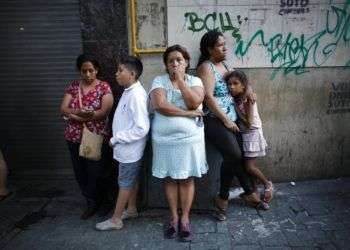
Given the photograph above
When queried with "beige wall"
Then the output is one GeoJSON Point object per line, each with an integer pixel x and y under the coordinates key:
{"type": "Point", "coordinates": [304, 140]}
{"type": "Point", "coordinates": [307, 138]}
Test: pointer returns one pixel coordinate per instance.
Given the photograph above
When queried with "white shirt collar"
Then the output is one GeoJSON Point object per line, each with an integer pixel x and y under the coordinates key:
{"type": "Point", "coordinates": [133, 85]}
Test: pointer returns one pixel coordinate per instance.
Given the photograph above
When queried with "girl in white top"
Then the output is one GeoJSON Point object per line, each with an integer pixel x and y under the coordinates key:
{"type": "Point", "coordinates": [254, 143]}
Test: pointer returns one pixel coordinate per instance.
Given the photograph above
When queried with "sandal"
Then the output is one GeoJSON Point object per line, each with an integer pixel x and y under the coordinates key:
{"type": "Point", "coordinates": [268, 193]}
{"type": "Point", "coordinates": [220, 213]}
{"type": "Point", "coordinates": [171, 230]}
{"type": "Point", "coordinates": [263, 206]}
{"type": "Point", "coordinates": [186, 234]}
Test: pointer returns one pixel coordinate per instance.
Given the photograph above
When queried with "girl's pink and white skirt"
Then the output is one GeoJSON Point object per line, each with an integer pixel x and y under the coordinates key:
{"type": "Point", "coordinates": [254, 143]}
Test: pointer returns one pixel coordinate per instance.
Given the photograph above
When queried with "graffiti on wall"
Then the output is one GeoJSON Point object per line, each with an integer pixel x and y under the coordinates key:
{"type": "Point", "coordinates": [294, 7]}
{"type": "Point", "coordinates": [214, 20]}
{"type": "Point", "coordinates": [292, 52]}
{"type": "Point", "coordinates": [289, 53]}
{"type": "Point", "coordinates": [339, 98]}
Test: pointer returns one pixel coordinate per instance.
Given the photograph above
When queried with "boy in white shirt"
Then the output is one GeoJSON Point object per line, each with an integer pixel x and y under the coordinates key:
{"type": "Point", "coordinates": [130, 128]}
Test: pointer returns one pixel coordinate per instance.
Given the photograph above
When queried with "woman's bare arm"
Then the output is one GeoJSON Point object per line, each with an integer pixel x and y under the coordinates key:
{"type": "Point", "coordinates": [83, 116]}
{"type": "Point", "coordinates": [193, 97]}
{"type": "Point", "coordinates": [208, 80]}
{"type": "Point", "coordinates": [161, 105]}
{"type": "Point", "coordinates": [72, 114]}
{"type": "Point", "coordinates": [106, 106]}
{"type": "Point", "coordinates": [64, 109]}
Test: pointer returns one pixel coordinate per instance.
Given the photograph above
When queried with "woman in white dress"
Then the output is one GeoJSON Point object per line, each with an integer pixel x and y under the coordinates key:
{"type": "Point", "coordinates": [178, 137]}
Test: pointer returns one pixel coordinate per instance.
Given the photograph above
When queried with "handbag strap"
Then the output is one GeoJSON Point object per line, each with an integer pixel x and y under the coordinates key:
{"type": "Point", "coordinates": [81, 105]}
{"type": "Point", "coordinates": [80, 101]}
{"type": "Point", "coordinates": [79, 96]}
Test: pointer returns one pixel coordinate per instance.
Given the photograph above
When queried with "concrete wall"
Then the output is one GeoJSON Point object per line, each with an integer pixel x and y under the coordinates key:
{"type": "Point", "coordinates": [268, 33]}
{"type": "Point", "coordinates": [307, 138]}
{"type": "Point", "coordinates": [152, 33]}
{"type": "Point", "coordinates": [305, 112]}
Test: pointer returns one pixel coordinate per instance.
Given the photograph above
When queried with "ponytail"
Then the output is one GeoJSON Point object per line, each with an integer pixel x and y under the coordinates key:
{"type": "Point", "coordinates": [208, 41]}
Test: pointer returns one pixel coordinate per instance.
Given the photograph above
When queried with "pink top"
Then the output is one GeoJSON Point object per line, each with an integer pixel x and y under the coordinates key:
{"type": "Point", "coordinates": [91, 100]}
{"type": "Point", "coordinates": [256, 121]}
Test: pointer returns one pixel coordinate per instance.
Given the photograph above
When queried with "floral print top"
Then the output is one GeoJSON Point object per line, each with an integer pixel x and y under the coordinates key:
{"type": "Point", "coordinates": [90, 100]}
{"type": "Point", "coordinates": [222, 96]}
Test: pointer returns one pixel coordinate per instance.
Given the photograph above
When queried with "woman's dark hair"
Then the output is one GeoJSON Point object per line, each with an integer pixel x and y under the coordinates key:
{"type": "Point", "coordinates": [208, 41]}
{"type": "Point", "coordinates": [242, 77]}
{"type": "Point", "coordinates": [83, 58]}
{"type": "Point", "coordinates": [180, 49]}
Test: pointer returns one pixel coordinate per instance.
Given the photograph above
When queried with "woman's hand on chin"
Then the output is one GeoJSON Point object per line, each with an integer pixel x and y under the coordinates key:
{"type": "Point", "coordinates": [178, 75]}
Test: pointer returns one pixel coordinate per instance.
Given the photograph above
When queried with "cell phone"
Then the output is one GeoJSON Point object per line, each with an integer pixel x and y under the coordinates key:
{"type": "Point", "coordinates": [88, 109]}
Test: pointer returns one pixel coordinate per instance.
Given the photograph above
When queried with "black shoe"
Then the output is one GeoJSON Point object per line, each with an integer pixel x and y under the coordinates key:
{"type": "Point", "coordinates": [89, 212]}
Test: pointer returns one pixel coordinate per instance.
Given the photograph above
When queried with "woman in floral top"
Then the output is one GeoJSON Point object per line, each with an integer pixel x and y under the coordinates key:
{"type": "Point", "coordinates": [97, 101]}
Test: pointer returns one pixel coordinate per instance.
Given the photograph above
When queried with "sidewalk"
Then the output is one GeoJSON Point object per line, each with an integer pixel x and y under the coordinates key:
{"type": "Point", "coordinates": [310, 215]}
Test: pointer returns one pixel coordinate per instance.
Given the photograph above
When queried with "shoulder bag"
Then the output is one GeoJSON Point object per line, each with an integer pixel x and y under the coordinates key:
{"type": "Point", "coordinates": [91, 143]}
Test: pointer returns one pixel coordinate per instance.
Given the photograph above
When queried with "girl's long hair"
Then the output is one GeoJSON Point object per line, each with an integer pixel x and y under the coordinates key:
{"type": "Point", "coordinates": [208, 41]}
{"type": "Point", "coordinates": [242, 77]}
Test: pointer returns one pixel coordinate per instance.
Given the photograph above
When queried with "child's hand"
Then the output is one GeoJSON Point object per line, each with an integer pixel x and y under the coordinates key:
{"type": "Point", "coordinates": [251, 97]}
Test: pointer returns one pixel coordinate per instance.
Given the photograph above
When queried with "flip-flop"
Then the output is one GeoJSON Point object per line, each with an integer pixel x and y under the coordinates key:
{"type": "Point", "coordinates": [171, 230]}
{"type": "Point", "coordinates": [269, 190]}
{"type": "Point", "coordinates": [186, 233]}
{"type": "Point", "coordinates": [3, 197]}
{"type": "Point", "coordinates": [263, 206]}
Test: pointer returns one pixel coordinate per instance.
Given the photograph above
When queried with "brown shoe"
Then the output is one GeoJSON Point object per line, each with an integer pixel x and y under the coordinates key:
{"type": "Point", "coordinates": [252, 199]}
{"type": "Point", "coordinates": [220, 209]}
{"type": "Point", "coordinates": [89, 212]}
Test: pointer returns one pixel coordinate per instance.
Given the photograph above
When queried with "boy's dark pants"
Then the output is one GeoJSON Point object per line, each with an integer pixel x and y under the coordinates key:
{"type": "Point", "coordinates": [95, 178]}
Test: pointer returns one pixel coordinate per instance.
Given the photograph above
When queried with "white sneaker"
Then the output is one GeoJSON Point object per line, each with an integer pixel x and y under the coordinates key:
{"type": "Point", "coordinates": [126, 215]}
{"type": "Point", "coordinates": [109, 225]}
